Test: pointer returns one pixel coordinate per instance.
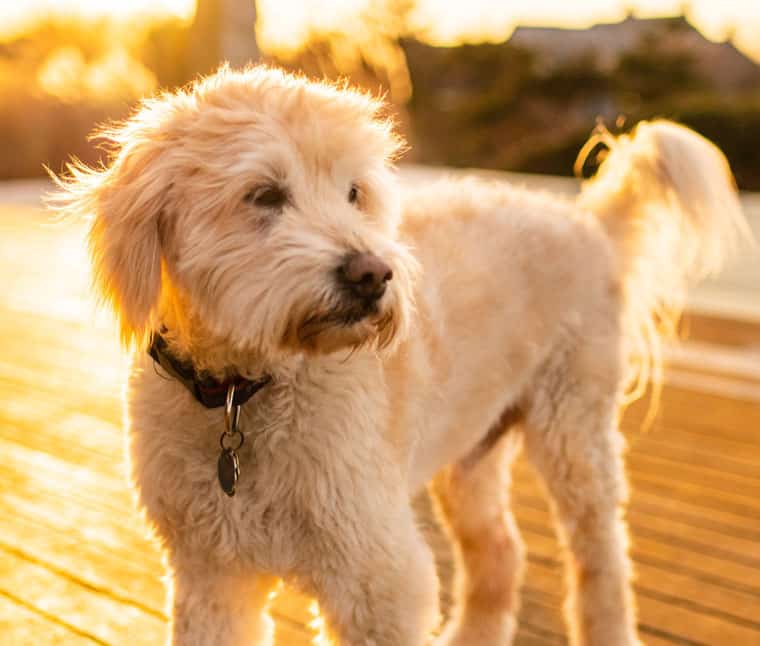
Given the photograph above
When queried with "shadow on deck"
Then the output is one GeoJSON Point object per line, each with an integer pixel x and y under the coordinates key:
{"type": "Point", "coordinates": [76, 566]}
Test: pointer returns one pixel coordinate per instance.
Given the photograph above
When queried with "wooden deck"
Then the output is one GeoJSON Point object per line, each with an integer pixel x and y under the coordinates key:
{"type": "Point", "coordinates": [76, 566]}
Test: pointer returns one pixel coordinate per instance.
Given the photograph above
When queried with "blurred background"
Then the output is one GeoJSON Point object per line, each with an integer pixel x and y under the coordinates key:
{"type": "Point", "coordinates": [510, 90]}
{"type": "Point", "coordinates": [521, 84]}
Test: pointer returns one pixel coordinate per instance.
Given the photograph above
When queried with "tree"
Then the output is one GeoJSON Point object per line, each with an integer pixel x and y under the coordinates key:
{"type": "Point", "coordinates": [223, 30]}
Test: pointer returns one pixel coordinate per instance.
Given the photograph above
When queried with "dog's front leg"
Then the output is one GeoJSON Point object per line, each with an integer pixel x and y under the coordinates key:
{"type": "Point", "coordinates": [376, 584]}
{"type": "Point", "coordinates": [223, 608]}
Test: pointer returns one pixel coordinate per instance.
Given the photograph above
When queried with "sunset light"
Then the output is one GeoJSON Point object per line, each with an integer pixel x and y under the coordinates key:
{"type": "Point", "coordinates": [285, 24]}
{"type": "Point", "coordinates": [15, 17]}
{"type": "Point", "coordinates": [66, 75]}
{"type": "Point", "coordinates": [212, 179]}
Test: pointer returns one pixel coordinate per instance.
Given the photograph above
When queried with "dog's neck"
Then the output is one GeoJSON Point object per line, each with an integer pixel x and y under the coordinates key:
{"type": "Point", "coordinates": [210, 392]}
{"type": "Point", "coordinates": [190, 341]}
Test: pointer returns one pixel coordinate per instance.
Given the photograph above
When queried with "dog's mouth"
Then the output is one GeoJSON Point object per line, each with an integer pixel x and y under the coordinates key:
{"type": "Point", "coordinates": [359, 311]}
{"type": "Point", "coordinates": [344, 318]}
{"type": "Point", "coordinates": [355, 325]}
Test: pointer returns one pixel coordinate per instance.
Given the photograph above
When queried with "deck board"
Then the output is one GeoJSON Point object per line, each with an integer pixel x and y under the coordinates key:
{"type": "Point", "coordinates": [77, 565]}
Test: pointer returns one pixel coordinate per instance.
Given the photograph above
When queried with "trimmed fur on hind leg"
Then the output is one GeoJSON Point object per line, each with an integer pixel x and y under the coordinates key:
{"type": "Point", "coordinates": [473, 502]}
{"type": "Point", "coordinates": [571, 438]}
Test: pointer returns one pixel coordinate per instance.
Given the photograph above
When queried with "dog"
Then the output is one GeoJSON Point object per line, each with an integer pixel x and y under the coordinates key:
{"type": "Point", "coordinates": [314, 345]}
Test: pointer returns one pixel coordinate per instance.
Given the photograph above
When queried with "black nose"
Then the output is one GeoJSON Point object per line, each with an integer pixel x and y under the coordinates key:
{"type": "Point", "coordinates": [365, 275]}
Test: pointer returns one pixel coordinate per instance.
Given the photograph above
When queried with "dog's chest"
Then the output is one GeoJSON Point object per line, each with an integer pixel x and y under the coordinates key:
{"type": "Point", "coordinates": [304, 454]}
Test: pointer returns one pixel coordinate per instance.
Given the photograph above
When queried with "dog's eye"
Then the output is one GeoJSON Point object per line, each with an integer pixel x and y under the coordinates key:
{"type": "Point", "coordinates": [353, 194]}
{"type": "Point", "coordinates": [267, 197]}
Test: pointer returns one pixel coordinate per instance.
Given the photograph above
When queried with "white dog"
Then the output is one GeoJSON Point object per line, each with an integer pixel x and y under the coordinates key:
{"type": "Point", "coordinates": [249, 231]}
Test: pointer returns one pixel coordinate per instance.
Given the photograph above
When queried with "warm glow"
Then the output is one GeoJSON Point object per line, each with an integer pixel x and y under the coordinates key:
{"type": "Point", "coordinates": [285, 23]}
{"type": "Point", "coordinates": [317, 625]}
{"type": "Point", "coordinates": [17, 16]}
{"type": "Point", "coordinates": [66, 75]}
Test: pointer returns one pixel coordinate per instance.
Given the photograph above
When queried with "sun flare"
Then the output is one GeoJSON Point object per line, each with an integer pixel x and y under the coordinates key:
{"type": "Point", "coordinates": [17, 17]}
{"type": "Point", "coordinates": [286, 24]}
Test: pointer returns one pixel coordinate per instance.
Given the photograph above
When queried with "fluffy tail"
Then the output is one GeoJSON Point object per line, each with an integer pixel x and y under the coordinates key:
{"type": "Point", "coordinates": [668, 200]}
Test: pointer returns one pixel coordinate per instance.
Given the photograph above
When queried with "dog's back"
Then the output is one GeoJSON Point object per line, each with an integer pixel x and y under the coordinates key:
{"type": "Point", "coordinates": [508, 276]}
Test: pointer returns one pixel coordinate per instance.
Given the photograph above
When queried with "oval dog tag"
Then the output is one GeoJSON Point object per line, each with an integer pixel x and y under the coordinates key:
{"type": "Point", "coordinates": [228, 469]}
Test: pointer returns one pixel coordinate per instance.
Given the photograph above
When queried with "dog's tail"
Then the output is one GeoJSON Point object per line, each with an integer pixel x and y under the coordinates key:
{"type": "Point", "coordinates": [667, 198]}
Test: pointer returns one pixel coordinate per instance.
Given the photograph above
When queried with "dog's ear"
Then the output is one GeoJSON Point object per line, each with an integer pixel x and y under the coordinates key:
{"type": "Point", "coordinates": [125, 202]}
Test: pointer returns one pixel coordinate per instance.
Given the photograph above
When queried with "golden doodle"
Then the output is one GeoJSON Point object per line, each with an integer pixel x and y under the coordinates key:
{"type": "Point", "coordinates": [315, 344]}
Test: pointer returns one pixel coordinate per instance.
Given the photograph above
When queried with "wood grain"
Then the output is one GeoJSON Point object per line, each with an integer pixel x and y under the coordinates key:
{"type": "Point", "coordinates": [77, 565]}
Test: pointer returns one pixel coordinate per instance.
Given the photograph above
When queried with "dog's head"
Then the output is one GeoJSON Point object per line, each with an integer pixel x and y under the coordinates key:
{"type": "Point", "coordinates": [255, 207]}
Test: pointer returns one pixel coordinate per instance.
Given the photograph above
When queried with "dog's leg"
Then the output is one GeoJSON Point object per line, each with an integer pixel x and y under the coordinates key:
{"type": "Point", "coordinates": [377, 587]}
{"type": "Point", "coordinates": [473, 500]}
{"type": "Point", "coordinates": [571, 437]}
{"type": "Point", "coordinates": [220, 608]}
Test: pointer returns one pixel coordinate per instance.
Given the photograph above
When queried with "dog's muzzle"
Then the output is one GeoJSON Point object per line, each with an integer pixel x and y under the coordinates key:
{"type": "Point", "coordinates": [364, 277]}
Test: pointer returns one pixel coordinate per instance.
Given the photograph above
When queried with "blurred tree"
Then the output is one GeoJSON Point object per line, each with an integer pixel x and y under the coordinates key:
{"type": "Point", "coordinates": [651, 72]}
{"type": "Point", "coordinates": [578, 78]}
{"type": "Point", "coordinates": [366, 49]}
{"type": "Point", "coordinates": [223, 30]}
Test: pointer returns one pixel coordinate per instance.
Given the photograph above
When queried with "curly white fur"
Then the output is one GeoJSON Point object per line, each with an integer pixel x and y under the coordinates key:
{"type": "Point", "coordinates": [681, 216]}
{"type": "Point", "coordinates": [501, 300]}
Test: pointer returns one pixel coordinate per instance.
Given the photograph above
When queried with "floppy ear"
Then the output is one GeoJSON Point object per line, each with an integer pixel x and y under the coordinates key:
{"type": "Point", "coordinates": [125, 202]}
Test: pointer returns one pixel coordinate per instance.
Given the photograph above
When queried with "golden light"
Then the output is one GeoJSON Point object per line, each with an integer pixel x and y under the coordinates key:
{"type": "Point", "coordinates": [16, 17]}
{"type": "Point", "coordinates": [118, 72]}
{"type": "Point", "coordinates": [66, 75]}
{"type": "Point", "coordinates": [285, 24]}
{"type": "Point", "coordinates": [449, 22]}
{"type": "Point", "coordinates": [317, 625]}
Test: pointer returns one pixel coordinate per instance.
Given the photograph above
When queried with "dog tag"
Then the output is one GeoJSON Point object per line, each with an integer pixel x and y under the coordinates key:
{"type": "Point", "coordinates": [228, 469]}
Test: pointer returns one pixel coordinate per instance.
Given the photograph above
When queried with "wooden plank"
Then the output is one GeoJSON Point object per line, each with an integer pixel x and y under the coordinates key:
{"type": "Point", "coordinates": [724, 486]}
{"type": "Point", "coordinates": [661, 589]}
{"type": "Point", "coordinates": [683, 617]}
{"type": "Point", "coordinates": [718, 416]}
{"type": "Point", "coordinates": [647, 521]}
{"type": "Point", "coordinates": [100, 528]}
{"type": "Point", "coordinates": [735, 460]}
{"type": "Point", "coordinates": [130, 572]}
{"type": "Point", "coordinates": [37, 391]}
{"type": "Point", "coordinates": [667, 500]}
{"type": "Point", "coordinates": [700, 496]}
{"type": "Point", "coordinates": [95, 614]}
{"type": "Point", "coordinates": [712, 576]}
{"type": "Point", "coordinates": [664, 509]}
{"type": "Point", "coordinates": [720, 330]}
{"type": "Point", "coordinates": [703, 564]}
{"type": "Point", "coordinates": [22, 624]}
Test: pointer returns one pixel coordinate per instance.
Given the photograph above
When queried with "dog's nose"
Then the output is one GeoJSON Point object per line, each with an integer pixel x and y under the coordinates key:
{"type": "Point", "coordinates": [365, 275]}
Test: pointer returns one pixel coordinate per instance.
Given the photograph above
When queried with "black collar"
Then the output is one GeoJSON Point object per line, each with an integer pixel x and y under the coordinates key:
{"type": "Point", "coordinates": [207, 390]}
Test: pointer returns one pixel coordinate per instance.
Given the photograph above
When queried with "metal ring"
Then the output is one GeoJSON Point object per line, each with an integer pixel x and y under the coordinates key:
{"type": "Point", "coordinates": [240, 440]}
{"type": "Point", "coordinates": [231, 412]}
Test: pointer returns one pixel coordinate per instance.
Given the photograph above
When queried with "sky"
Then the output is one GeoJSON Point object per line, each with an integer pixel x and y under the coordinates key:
{"type": "Point", "coordinates": [285, 22]}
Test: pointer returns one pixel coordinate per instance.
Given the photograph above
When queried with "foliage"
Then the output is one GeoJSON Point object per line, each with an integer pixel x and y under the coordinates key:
{"type": "Point", "coordinates": [495, 106]}
{"type": "Point", "coordinates": [651, 74]}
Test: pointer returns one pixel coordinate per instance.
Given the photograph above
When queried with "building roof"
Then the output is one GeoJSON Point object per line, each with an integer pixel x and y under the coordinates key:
{"type": "Point", "coordinates": [723, 63]}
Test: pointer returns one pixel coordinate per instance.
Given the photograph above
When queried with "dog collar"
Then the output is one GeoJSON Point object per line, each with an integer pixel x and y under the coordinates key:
{"type": "Point", "coordinates": [207, 390]}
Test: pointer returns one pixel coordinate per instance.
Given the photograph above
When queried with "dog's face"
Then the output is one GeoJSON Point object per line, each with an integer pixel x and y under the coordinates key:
{"type": "Point", "coordinates": [263, 206]}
